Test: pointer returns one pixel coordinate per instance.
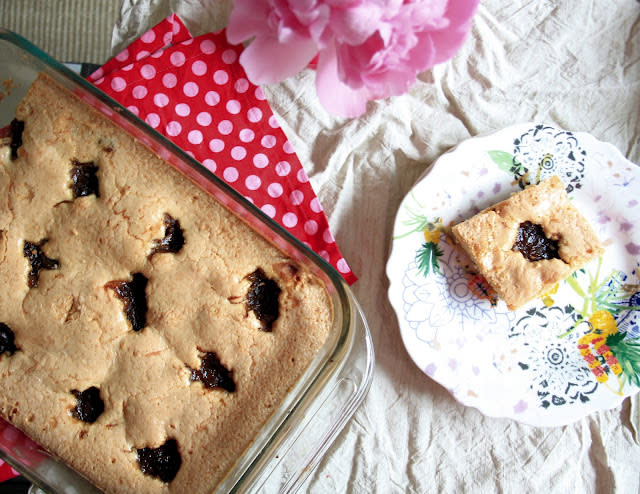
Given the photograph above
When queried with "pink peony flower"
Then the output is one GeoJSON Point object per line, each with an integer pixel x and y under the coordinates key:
{"type": "Point", "coordinates": [286, 35]}
{"type": "Point", "coordinates": [367, 49]}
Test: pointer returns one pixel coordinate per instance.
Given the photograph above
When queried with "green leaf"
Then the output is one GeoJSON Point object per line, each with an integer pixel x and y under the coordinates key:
{"type": "Point", "coordinates": [503, 159]}
{"type": "Point", "coordinates": [427, 258]}
{"type": "Point", "coordinates": [627, 351]}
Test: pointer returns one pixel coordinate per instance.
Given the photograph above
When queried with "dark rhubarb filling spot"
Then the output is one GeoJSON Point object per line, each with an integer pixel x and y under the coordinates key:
{"type": "Point", "coordinates": [37, 261]}
{"type": "Point", "coordinates": [89, 404]}
{"type": "Point", "coordinates": [7, 340]}
{"type": "Point", "coordinates": [263, 298]}
{"type": "Point", "coordinates": [213, 374]}
{"type": "Point", "coordinates": [16, 128]}
{"type": "Point", "coordinates": [162, 462]}
{"type": "Point", "coordinates": [84, 179]}
{"type": "Point", "coordinates": [173, 239]}
{"type": "Point", "coordinates": [134, 299]}
{"type": "Point", "coordinates": [533, 244]}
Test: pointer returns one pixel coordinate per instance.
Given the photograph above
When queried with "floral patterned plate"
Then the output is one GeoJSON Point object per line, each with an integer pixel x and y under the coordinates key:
{"type": "Point", "coordinates": [571, 352]}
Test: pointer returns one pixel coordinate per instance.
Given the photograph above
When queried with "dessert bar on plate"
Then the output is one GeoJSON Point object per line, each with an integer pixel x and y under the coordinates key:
{"type": "Point", "coordinates": [527, 243]}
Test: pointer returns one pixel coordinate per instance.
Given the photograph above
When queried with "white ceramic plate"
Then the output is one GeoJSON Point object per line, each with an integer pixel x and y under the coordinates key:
{"type": "Point", "coordinates": [561, 356]}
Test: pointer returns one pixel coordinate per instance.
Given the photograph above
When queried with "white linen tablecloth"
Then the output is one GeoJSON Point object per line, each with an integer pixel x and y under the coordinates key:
{"type": "Point", "coordinates": [574, 64]}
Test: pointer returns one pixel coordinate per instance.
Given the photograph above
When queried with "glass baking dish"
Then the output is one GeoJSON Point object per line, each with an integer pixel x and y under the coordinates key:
{"type": "Point", "coordinates": [303, 427]}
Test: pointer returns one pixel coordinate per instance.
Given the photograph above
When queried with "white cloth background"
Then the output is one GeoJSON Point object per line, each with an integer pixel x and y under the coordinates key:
{"type": "Point", "coordinates": [571, 63]}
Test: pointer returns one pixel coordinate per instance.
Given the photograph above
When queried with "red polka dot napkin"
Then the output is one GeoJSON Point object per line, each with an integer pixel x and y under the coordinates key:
{"type": "Point", "coordinates": [6, 472]}
{"type": "Point", "coordinates": [196, 93]}
{"type": "Point", "coordinates": [11, 438]}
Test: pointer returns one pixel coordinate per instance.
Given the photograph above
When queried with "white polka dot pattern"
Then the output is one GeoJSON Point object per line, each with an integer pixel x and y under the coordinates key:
{"type": "Point", "coordinates": [196, 93]}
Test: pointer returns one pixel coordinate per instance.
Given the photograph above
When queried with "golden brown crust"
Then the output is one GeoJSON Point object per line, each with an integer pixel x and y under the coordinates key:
{"type": "Point", "coordinates": [71, 331]}
{"type": "Point", "coordinates": [488, 238]}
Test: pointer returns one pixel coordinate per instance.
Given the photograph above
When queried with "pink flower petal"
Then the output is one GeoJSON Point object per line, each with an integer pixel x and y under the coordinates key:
{"type": "Point", "coordinates": [448, 41]}
{"type": "Point", "coordinates": [335, 96]}
{"type": "Point", "coordinates": [314, 16]}
{"type": "Point", "coordinates": [356, 62]}
{"type": "Point", "coordinates": [354, 25]}
{"type": "Point", "coordinates": [247, 19]}
{"type": "Point", "coordinates": [267, 61]}
{"type": "Point", "coordinates": [460, 12]}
